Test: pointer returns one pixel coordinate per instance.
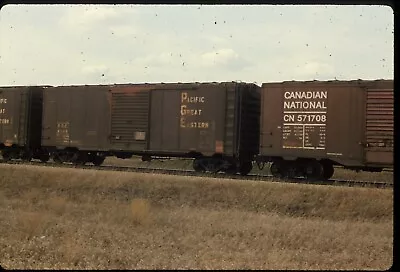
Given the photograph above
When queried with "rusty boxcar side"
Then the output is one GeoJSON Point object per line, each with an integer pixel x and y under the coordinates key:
{"type": "Point", "coordinates": [200, 120]}
{"type": "Point", "coordinates": [76, 123]}
{"type": "Point", "coordinates": [20, 122]}
{"type": "Point", "coordinates": [306, 127]}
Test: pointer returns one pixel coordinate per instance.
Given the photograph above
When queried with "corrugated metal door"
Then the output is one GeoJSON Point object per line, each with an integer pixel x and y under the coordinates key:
{"type": "Point", "coordinates": [379, 126]}
{"type": "Point", "coordinates": [129, 118]}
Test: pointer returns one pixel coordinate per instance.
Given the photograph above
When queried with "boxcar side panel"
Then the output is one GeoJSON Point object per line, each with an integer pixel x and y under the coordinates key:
{"type": "Point", "coordinates": [21, 116]}
{"type": "Point", "coordinates": [10, 113]}
{"type": "Point", "coordinates": [344, 126]}
{"type": "Point", "coordinates": [312, 120]}
{"type": "Point", "coordinates": [156, 124]}
{"type": "Point", "coordinates": [178, 119]}
{"type": "Point", "coordinates": [97, 117]}
{"type": "Point", "coordinates": [76, 116]}
{"type": "Point", "coordinates": [78, 113]}
{"type": "Point", "coordinates": [56, 117]}
{"type": "Point", "coordinates": [49, 118]}
{"type": "Point", "coordinates": [188, 118]}
{"type": "Point", "coordinates": [164, 130]}
{"type": "Point", "coordinates": [271, 120]}
{"type": "Point", "coordinates": [202, 123]}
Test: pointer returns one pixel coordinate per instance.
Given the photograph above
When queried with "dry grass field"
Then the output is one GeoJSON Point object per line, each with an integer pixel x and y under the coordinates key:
{"type": "Point", "coordinates": [86, 219]}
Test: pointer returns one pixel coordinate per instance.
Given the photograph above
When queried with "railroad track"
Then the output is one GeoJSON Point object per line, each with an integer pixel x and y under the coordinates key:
{"type": "Point", "coordinates": [182, 172]}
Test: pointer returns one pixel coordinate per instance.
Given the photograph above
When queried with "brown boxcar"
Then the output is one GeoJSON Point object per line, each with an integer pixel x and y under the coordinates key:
{"type": "Point", "coordinates": [76, 123]}
{"type": "Point", "coordinates": [216, 123]}
{"type": "Point", "coordinates": [307, 127]}
{"type": "Point", "coordinates": [20, 122]}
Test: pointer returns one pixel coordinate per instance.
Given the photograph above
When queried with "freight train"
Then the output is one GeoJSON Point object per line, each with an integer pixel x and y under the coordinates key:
{"type": "Point", "coordinates": [301, 128]}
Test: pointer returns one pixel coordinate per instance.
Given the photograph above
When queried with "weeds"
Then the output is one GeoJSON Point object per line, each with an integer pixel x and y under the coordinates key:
{"type": "Point", "coordinates": [31, 223]}
{"type": "Point", "coordinates": [140, 211]}
{"type": "Point", "coordinates": [57, 204]}
{"type": "Point", "coordinates": [74, 218]}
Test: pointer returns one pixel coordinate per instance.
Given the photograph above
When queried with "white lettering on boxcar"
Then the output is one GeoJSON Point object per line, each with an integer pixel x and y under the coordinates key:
{"type": "Point", "coordinates": [4, 121]}
{"type": "Point", "coordinates": [189, 109]}
{"type": "Point", "coordinates": [306, 105]}
{"type": "Point", "coordinates": [186, 111]}
{"type": "Point", "coordinates": [306, 95]}
{"type": "Point", "coordinates": [288, 118]}
{"type": "Point", "coordinates": [185, 98]}
{"type": "Point", "coordinates": [62, 132]}
{"type": "Point", "coordinates": [304, 119]}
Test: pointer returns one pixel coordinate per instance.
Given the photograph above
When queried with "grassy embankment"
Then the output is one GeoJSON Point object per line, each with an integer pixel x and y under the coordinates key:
{"type": "Point", "coordinates": [73, 218]}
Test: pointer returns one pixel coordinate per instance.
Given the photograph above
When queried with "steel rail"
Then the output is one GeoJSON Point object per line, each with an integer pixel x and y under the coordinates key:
{"type": "Point", "coordinates": [182, 172]}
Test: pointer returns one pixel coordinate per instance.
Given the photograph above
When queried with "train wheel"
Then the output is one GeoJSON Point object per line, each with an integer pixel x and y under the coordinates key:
{"type": "Point", "coordinates": [260, 165]}
{"type": "Point", "coordinates": [6, 155]}
{"type": "Point", "coordinates": [232, 170]}
{"type": "Point", "coordinates": [44, 157]}
{"type": "Point", "coordinates": [328, 170]}
{"type": "Point", "coordinates": [26, 156]}
{"type": "Point", "coordinates": [97, 160]}
{"type": "Point", "coordinates": [213, 167]}
{"type": "Point", "coordinates": [314, 170]}
{"type": "Point", "coordinates": [197, 165]}
{"type": "Point", "coordinates": [146, 158]}
{"type": "Point", "coordinates": [57, 159]}
{"type": "Point", "coordinates": [275, 170]}
{"type": "Point", "coordinates": [245, 168]}
{"type": "Point", "coordinates": [81, 159]}
{"type": "Point", "coordinates": [290, 171]}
